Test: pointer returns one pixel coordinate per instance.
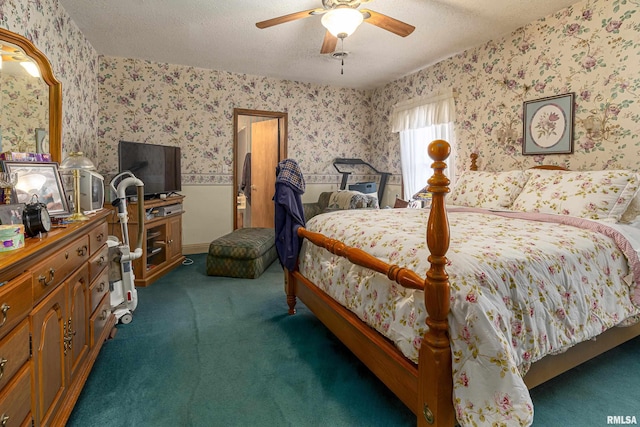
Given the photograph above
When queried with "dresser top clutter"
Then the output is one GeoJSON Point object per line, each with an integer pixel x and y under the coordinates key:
{"type": "Point", "coordinates": [35, 247]}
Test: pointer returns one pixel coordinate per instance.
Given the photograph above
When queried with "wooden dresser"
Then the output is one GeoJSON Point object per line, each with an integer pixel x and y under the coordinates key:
{"type": "Point", "coordinates": [54, 316]}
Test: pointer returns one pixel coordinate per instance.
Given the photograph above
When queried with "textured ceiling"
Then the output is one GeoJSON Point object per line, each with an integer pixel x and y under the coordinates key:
{"type": "Point", "coordinates": [221, 35]}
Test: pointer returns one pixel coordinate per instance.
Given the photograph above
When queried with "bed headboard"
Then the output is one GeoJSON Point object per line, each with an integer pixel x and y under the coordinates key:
{"type": "Point", "coordinates": [474, 165]}
{"type": "Point", "coordinates": [550, 167]}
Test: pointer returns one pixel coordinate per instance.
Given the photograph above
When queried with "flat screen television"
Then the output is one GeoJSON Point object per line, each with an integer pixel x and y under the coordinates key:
{"type": "Point", "coordinates": [158, 166]}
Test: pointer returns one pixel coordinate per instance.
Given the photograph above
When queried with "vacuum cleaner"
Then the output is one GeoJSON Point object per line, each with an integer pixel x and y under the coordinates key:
{"type": "Point", "coordinates": [124, 297]}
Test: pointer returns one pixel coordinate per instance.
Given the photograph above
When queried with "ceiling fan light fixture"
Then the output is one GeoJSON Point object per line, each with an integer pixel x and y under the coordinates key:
{"type": "Point", "coordinates": [339, 55]}
{"type": "Point", "coordinates": [342, 21]}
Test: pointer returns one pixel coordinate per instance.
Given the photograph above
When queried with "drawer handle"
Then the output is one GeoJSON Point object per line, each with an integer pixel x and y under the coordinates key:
{"type": "Point", "coordinates": [104, 314]}
{"type": "Point", "coordinates": [4, 309]}
{"type": "Point", "coordinates": [44, 281]}
{"type": "Point", "coordinates": [66, 255]}
{"type": "Point", "coordinates": [101, 261]}
{"type": "Point", "coordinates": [82, 251]}
{"type": "Point", "coordinates": [3, 362]}
{"type": "Point", "coordinates": [101, 287]}
{"type": "Point", "coordinates": [68, 337]}
{"type": "Point", "coordinates": [3, 420]}
{"type": "Point", "coordinates": [99, 237]}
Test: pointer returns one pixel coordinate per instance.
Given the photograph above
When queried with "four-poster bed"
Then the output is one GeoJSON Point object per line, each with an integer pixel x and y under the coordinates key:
{"type": "Point", "coordinates": [427, 386]}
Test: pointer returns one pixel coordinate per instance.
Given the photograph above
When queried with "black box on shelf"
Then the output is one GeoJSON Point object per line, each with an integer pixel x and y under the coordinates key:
{"type": "Point", "coordinates": [364, 187]}
{"type": "Point", "coordinates": [169, 209]}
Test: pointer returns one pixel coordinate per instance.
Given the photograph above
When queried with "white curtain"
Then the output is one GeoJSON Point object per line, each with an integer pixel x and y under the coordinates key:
{"type": "Point", "coordinates": [420, 121]}
{"type": "Point", "coordinates": [415, 160]}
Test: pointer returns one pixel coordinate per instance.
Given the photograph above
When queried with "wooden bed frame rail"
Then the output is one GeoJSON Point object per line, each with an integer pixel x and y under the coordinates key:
{"type": "Point", "coordinates": [403, 276]}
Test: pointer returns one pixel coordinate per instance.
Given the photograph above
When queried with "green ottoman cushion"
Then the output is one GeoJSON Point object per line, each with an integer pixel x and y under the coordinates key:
{"type": "Point", "coordinates": [245, 252]}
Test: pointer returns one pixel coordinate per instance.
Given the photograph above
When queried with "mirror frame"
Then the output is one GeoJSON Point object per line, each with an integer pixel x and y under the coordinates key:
{"type": "Point", "coordinates": [55, 89]}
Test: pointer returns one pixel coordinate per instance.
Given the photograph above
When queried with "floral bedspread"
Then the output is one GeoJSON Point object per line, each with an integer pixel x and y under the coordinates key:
{"type": "Point", "coordinates": [520, 290]}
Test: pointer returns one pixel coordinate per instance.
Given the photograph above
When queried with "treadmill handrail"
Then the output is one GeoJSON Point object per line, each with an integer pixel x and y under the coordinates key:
{"type": "Point", "coordinates": [345, 174]}
{"type": "Point", "coordinates": [345, 161]}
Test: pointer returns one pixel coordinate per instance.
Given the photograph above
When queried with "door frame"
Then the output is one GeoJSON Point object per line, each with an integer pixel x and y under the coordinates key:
{"type": "Point", "coordinates": [283, 119]}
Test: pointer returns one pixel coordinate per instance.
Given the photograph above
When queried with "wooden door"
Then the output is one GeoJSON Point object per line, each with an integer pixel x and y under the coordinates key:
{"type": "Point", "coordinates": [49, 354]}
{"type": "Point", "coordinates": [264, 159]}
{"type": "Point", "coordinates": [175, 237]}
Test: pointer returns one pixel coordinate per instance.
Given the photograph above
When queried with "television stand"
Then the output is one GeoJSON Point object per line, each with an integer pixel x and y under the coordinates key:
{"type": "Point", "coordinates": [162, 245]}
{"type": "Point", "coordinates": [152, 196]}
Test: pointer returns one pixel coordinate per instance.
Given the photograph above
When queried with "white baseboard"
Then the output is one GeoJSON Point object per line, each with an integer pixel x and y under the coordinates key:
{"type": "Point", "coordinates": [198, 248]}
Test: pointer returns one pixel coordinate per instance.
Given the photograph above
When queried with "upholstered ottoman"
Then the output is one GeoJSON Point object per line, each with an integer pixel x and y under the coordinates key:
{"type": "Point", "coordinates": [245, 252]}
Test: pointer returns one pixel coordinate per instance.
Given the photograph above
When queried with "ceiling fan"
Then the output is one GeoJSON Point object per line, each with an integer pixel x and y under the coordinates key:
{"type": "Point", "coordinates": [341, 18]}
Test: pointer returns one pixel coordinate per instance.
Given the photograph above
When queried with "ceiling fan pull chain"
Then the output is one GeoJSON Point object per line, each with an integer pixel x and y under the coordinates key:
{"type": "Point", "coordinates": [342, 56]}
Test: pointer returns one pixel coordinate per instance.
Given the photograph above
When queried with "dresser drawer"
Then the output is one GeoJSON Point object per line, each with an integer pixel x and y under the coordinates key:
{"type": "Point", "coordinates": [15, 399]}
{"type": "Point", "coordinates": [98, 262]}
{"type": "Point", "coordinates": [56, 268]}
{"type": "Point", "coordinates": [14, 351]}
{"type": "Point", "coordinates": [15, 302]}
{"type": "Point", "coordinates": [99, 320]}
{"type": "Point", "coordinates": [98, 237]}
{"type": "Point", "coordinates": [99, 288]}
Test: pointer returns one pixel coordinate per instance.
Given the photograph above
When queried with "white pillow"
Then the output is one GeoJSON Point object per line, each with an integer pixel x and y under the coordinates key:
{"type": "Point", "coordinates": [632, 214]}
{"type": "Point", "coordinates": [598, 195]}
{"type": "Point", "coordinates": [489, 190]}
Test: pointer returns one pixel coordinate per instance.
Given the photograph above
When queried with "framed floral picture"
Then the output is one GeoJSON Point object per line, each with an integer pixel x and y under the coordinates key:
{"type": "Point", "coordinates": [548, 125]}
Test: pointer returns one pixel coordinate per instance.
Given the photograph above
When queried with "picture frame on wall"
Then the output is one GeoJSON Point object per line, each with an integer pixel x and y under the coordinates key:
{"type": "Point", "coordinates": [40, 179]}
{"type": "Point", "coordinates": [548, 125]}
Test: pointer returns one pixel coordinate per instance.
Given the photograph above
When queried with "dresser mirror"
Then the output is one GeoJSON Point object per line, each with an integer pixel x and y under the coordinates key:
{"type": "Point", "coordinates": [30, 107]}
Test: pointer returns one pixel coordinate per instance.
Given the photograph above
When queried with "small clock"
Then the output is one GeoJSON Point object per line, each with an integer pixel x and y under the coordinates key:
{"type": "Point", "coordinates": [36, 219]}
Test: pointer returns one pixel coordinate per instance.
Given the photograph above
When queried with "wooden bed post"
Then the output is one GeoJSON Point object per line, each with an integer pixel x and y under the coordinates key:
{"type": "Point", "coordinates": [474, 162]}
{"type": "Point", "coordinates": [290, 291]}
{"type": "Point", "coordinates": [435, 378]}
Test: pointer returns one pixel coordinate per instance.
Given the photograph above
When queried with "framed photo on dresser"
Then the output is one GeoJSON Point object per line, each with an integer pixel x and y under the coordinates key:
{"type": "Point", "coordinates": [38, 180]}
{"type": "Point", "coordinates": [11, 214]}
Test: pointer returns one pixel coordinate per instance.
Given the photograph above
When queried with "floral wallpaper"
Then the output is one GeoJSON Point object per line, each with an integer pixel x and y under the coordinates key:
{"type": "Point", "coordinates": [74, 62]}
{"type": "Point", "coordinates": [149, 102]}
{"type": "Point", "coordinates": [591, 49]}
{"type": "Point", "coordinates": [24, 107]}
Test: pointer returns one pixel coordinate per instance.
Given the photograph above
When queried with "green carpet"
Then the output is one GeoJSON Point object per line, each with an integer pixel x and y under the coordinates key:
{"type": "Point", "coordinates": [214, 351]}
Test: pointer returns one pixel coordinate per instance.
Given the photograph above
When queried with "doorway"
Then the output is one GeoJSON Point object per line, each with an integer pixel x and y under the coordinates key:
{"type": "Point", "coordinates": [259, 144]}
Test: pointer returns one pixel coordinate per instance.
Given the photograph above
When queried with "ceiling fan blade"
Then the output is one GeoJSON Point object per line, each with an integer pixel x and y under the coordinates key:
{"type": "Point", "coordinates": [329, 43]}
{"type": "Point", "coordinates": [11, 58]}
{"type": "Point", "coordinates": [387, 23]}
{"type": "Point", "coordinates": [9, 53]}
{"type": "Point", "coordinates": [287, 18]}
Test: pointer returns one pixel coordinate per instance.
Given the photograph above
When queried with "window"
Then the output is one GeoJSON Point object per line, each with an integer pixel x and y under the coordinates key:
{"type": "Point", "coordinates": [415, 160]}
{"type": "Point", "coordinates": [419, 122]}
